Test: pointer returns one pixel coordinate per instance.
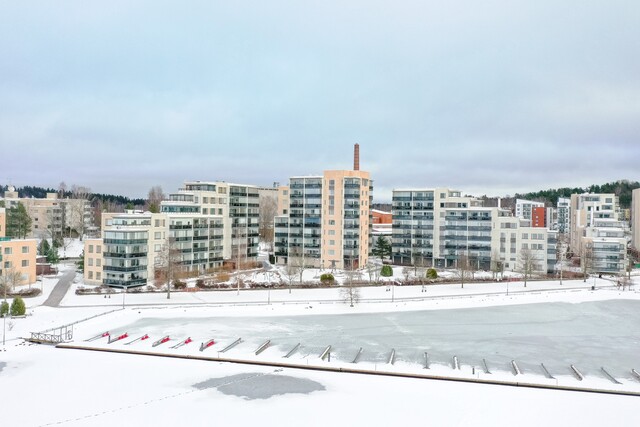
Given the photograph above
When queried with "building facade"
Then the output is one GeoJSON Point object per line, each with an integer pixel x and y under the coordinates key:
{"type": "Point", "coordinates": [328, 220]}
{"type": "Point", "coordinates": [17, 255]}
{"type": "Point", "coordinates": [524, 208]}
{"type": "Point", "coordinates": [635, 219]}
{"type": "Point", "coordinates": [440, 227]}
{"type": "Point", "coordinates": [53, 217]}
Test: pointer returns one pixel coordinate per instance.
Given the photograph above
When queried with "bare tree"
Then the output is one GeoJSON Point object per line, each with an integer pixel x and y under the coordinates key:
{"type": "Point", "coordinates": [586, 260]}
{"type": "Point", "coordinates": [497, 265]}
{"type": "Point", "coordinates": [373, 270]}
{"type": "Point", "coordinates": [154, 199]}
{"type": "Point", "coordinates": [420, 262]}
{"type": "Point", "coordinates": [168, 263]}
{"type": "Point", "coordinates": [268, 211]}
{"type": "Point", "coordinates": [463, 271]}
{"type": "Point", "coordinates": [528, 263]}
{"type": "Point", "coordinates": [297, 261]}
{"type": "Point", "coordinates": [62, 189]}
{"type": "Point", "coordinates": [290, 272]}
{"type": "Point", "coordinates": [79, 210]}
{"type": "Point", "coordinates": [349, 291]}
{"type": "Point", "coordinates": [11, 278]}
{"type": "Point", "coordinates": [561, 252]}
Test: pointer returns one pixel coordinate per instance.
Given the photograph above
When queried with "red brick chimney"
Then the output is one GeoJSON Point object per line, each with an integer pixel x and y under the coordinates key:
{"type": "Point", "coordinates": [356, 157]}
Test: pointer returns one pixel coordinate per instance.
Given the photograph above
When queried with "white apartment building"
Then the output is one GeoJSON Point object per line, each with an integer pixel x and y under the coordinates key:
{"type": "Point", "coordinates": [635, 219]}
{"type": "Point", "coordinates": [608, 244]}
{"type": "Point", "coordinates": [237, 204]}
{"type": "Point", "coordinates": [134, 245]}
{"type": "Point", "coordinates": [563, 215]}
{"type": "Point", "coordinates": [585, 210]}
{"type": "Point", "coordinates": [524, 208]}
{"type": "Point", "coordinates": [438, 226]}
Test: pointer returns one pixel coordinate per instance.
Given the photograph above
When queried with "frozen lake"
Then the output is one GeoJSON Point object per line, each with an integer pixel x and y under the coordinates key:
{"type": "Point", "coordinates": [588, 335]}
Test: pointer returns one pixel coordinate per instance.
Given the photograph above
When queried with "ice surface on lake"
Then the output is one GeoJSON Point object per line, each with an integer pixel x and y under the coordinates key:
{"type": "Point", "coordinates": [588, 335]}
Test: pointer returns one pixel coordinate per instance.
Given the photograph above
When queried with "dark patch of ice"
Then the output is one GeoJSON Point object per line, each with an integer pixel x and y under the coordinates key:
{"type": "Point", "coordinates": [2, 365]}
{"type": "Point", "coordinates": [252, 386]}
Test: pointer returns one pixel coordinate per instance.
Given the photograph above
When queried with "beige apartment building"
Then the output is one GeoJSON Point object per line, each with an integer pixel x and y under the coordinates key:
{"type": "Point", "coordinates": [52, 216]}
{"type": "Point", "coordinates": [93, 261]}
{"type": "Point", "coordinates": [17, 254]}
{"type": "Point", "coordinates": [326, 223]}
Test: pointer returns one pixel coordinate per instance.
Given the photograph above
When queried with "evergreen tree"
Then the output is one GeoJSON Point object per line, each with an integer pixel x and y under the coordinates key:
{"type": "Point", "coordinates": [43, 247]}
{"type": "Point", "coordinates": [18, 222]}
{"type": "Point", "coordinates": [80, 262]}
{"type": "Point", "coordinates": [4, 308]}
{"type": "Point", "coordinates": [17, 307]}
{"type": "Point", "coordinates": [52, 256]}
{"type": "Point", "coordinates": [382, 248]}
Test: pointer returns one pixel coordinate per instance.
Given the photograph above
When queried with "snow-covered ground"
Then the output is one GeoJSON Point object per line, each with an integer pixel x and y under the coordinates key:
{"type": "Point", "coordinates": [542, 323]}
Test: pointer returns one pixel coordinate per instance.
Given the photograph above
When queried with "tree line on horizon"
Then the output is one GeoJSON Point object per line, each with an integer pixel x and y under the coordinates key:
{"type": "Point", "coordinates": [621, 188]}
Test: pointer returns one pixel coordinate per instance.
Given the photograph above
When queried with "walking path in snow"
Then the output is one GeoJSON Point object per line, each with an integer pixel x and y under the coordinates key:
{"type": "Point", "coordinates": [60, 290]}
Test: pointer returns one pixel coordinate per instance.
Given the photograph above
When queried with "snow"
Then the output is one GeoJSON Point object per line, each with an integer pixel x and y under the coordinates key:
{"type": "Point", "coordinates": [542, 323]}
{"type": "Point", "coordinates": [72, 248]}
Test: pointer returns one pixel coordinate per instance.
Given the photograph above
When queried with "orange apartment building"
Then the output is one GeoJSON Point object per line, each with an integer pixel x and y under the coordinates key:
{"type": "Point", "coordinates": [327, 221]}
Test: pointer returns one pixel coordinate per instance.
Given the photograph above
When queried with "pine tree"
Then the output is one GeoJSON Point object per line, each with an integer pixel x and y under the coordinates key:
{"type": "Point", "coordinates": [18, 222]}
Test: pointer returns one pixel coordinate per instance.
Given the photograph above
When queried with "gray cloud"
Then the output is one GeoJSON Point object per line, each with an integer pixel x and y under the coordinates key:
{"type": "Point", "coordinates": [489, 97]}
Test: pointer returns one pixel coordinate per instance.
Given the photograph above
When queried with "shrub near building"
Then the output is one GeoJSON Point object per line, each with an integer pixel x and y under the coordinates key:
{"type": "Point", "coordinates": [17, 307]}
{"type": "Point", "coordinates": [386, 271]}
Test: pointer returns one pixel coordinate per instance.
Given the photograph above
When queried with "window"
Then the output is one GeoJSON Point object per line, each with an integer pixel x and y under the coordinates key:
{"type": "Point", "coordinates": [98, 274]}
{"type": "Point", "coordinates": [157, 248]}
{"type": "Point", "coordinates": [90, 262]}
{"type": "Point", "coordinates": [98, 262]}
{"type": "Point", "coordinates": [525, 236]}
{"type": "Point", "coordinates": [91, 275]}
{"type": "Point", "coordinates": [25, 249]}
{"type": "Point", "coordinates": [7, 251]}
{"type": "Point", "coordinates": [525, 246]}
{"type": "Point", "coordinates": [332, 242]}
{"type": "Point", "coordinates": [332, 232]}
{"type": "Point", "coordinates": [98, 249]}
{"type": "Point", "coordinates": [205, 200]}
{"type": "Point", "coordinates": [332, 222]}
{"type": "Point", "coordinates": [332, 252]}
{"type": "Point", "coordinates": [25, 263]}
{"type": "Point", "coordinates": [285, 192]}
{"type": "Point", "coordinates": [157, 223]}
{"type": "Point", "coordinates": [157, 235]}
{"type": "Point", "coordinates": [90, 249]}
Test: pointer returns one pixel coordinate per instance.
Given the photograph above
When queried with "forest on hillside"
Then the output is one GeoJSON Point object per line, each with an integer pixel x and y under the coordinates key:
{"type": "Point", "coordinates": [622, 189]}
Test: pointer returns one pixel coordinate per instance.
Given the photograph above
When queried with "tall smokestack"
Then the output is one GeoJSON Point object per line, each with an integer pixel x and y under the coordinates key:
{"type": "Point", "coordinates": [356, 157]}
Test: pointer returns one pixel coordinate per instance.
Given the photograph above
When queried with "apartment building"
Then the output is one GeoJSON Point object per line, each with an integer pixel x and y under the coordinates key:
{"type": "Point", "coordinates": [525, 208]}
{"type": "Point", "coordinates": [328, 222]}
{"type": "Point", "coordinates": [238, 205]}
{"type": "Point", "coordinates": [52, 216]}
{"type": "Point", "coordinates": [585, 210]}
{"type": "Point", "coordinates": [135, 244]}
{"type": "Point", "coordinates": [607, 247]}
{"type": "Point", "coordinates": [563, 215]}
{"type": "Point", "coordinates": [17, 255]}
{"type": "Point", "coordinates": [439, 226]}
{"type": "Point", "coordinates": [635, 219]}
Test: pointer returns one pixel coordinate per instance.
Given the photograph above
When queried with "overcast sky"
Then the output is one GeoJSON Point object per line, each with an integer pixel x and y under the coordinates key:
{"type": "Point", "coordinates": [489, 97]}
